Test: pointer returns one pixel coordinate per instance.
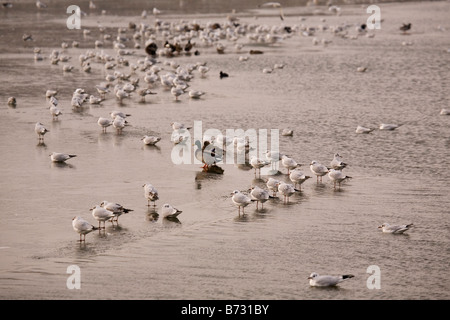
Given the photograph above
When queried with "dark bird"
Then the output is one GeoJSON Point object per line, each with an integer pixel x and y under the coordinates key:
{"type": "Point", "coordinates": [188, 46]}
{"type": "Point", "coordinates": [223, 75]}
{"type": "Point", "coordinates": [151, 48]}
{"type": "Point", "coordinates": [405, 27]}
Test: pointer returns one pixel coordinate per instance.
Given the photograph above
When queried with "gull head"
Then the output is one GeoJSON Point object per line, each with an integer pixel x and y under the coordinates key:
{"type": "Point", "coordinates": [313, 275]}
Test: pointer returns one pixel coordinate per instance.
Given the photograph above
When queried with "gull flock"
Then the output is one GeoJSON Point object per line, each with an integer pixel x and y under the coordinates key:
{"type": "Point", "coordinates": [159, 72]}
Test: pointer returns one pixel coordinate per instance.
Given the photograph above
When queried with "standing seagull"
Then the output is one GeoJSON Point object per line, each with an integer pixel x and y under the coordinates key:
{"type": "Point", "coordinates": [259, 195]}
{"type": "Point", "coordinates": [287, 190]}
{"type": "Point", "coordinates": [289, 163]}
{"type": "Point", "coordinates": [315, 280]}
{"type": "Point", "coordinates": [104, 123]}
{"type": "Point", "coordinates": [240, 200]}
{"type": "Point", "coordinates": [40, 130]}
{"type": "Point", "coordinates": [82, 227]}
{"type": "Point", "coordinates": [336, 163]}
{"type": "Point", "coordinates": [101, 215]}
{"type": "Point", "coordinates": [150, 193]}
{"type": "Point", "coordinates": [298, 177]}
{"type": "Point", "coordinates": [318, 169]}
{"type": "Point", "coordinates": [115, 208]}
{"type": "Point", "coordinates": [258, 163]}
{"type": "Point", "coordinates": [337, 176]}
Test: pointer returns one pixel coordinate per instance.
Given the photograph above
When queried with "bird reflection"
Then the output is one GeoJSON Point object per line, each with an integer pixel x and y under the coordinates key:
{"type": "Point", "coordinates": [171, 222]}
{"type": "Point", "coordinates": [62, 165]}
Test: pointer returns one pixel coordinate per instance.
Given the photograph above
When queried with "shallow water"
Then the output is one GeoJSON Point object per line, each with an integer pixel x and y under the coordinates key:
{"type": "Point", "coordinates": [213, 253]}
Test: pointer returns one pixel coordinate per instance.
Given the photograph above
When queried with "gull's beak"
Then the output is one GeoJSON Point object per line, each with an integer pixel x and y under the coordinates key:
{"type": "Point", "coordinates": [73, 218]}
{"type": "Point", "coordinates": [379, 227]}
{"type": "Point", "coordinates": [309, 277]}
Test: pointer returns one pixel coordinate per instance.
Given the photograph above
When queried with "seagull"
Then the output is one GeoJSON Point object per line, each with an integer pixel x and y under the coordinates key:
{"type": "Point", "coordinates": [389, 127]}
{"type": "Point", "coordinates": [298, 177]}
{"type": "Point", "coordinates": [102, 91]}
{"type": "Point", "coordinates": [169, 211]}
{"type": "Point", "coordinates": [94, 100]}
{"type": "Point", "coordinates": [289, 163]}
{"type": "Point", "coordinates": [397, 229]}
{"type": "Point", "coordinates": [115, 208]}
{"type": "Point", "coordinates": [61, 157]}
{"type": "Point", "coordinates": [119, 123]}
{"type": "Point", "coordinates": [318, 169]}
{"type": "Point", "coordinates": [273, 5]}
{"type": "Point", "coordinates": [150, 193]}
{"type": "Point", "coordinates": [337, 176]}
{"type": "Point", "coordinates": [40, 130]}
{"type": "Point", "coordinates": [258, 163]}
{"type": "Point", "coordinates": [150, 140]}
{"type": "Point", "coordinates": [195, 94]}
{"type": "Point", "coordinates": [444, 112]}
{"type": "Point", "coordinates": [286, 190]}
{"type": "Point", "coordinates": [82, 227]}
{"type": "Point", "coordinates": [259, 195]}
{"type": "Point", "coordinates": [336, 163]}
{"type": "Point", "coordinates": [144, 92]}
{"type": "Point", "coordinates": [104, 123]}
{"type": "Point", "coordinates": [272, 184]}
{"type": "Point", "coordinates": [101, 215]}
{"type": "Point", "coordinates": [240, 200]}
{"type": "Point", "coordinates": [179, 126]}
{"type": "Point", "coordinates": [55, 112]}
{"type": "Point", "coordinates": [315, 280]}
{"type": "Point", "coordinates": [287, 132]}
{"type": "Point", "coordinates": [203, 70]}
{"type": "Point", "coordinates": [361, 129]}
{"type": "Point", "coordinates": [114, 114]}
{"type": "Point", "coordinates": [40, 5]}
{"type": "Point", "coordinates": [176, 92]}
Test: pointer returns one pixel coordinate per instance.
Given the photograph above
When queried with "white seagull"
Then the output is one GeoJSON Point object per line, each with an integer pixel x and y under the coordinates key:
{"type": "Point", "coordinates": [298, 177]}
{"type": "Point", "coordinates": [40, 130]}
{"type": "Point", "coordinates": [168, 211]}
{"type": "Point", "coordinates": [259, 195]}
{"type": "Point", "coordinates": [151, 193]}
{"type": "Point", "coordinates": [287, 190]}
{"type": "Point", "coordinates": [398, 229]}
{"type": "Point", "coordinates": [273, 5]}
{"type": "Point", "coordinates": [101, 215]}
{"type": "Point", "coordinates": [115, 208]}
{"type": "Point", "coordinates": [289, 163]}
{"type": "Point", "coordinates": [195, 94]}
{"type": "Point", "coordinates": [337, 163]}
{"type": "Point", "coordinates": [240, 200]}
{"type": "Point", "coordinates": [119, 123]}
{"type": "Point", "coordinates": [61, 157]}
{"type": "Point", "coordinates": [318, 169]}
{"type": "Point", "coordinates": [55, 112]}
{"type": "Point", "coordinates": [388, 126]}
{"type": "Point", "coordinates": [258, 163]}
{"type": "Point", "coordinates": [337, 177]}
{"type": "Point", "coordinates": [82, 227]}
{"type": "Point", "coordinates": [315, 280]}
{"type": "Point", "coordinates": [361, 129]}
{"type": "Point", "coordinates": [444, 112]}
{"type": "Point", "coordinates": [104, 123]}
{"type": "Point", "coordinates": [272, 185]}
{"type": "Point", "coordinates": [150, 140]}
